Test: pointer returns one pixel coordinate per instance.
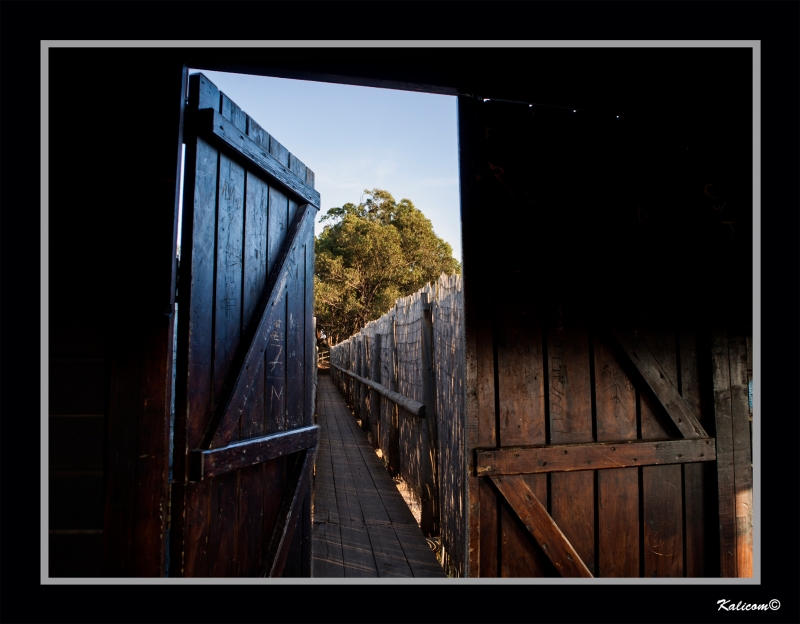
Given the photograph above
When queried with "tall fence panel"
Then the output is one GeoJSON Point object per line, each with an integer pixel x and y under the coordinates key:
{"type": "Point", "coordinates": [448, 346]}
{"type": "Point", "coordinates": [411, 401]}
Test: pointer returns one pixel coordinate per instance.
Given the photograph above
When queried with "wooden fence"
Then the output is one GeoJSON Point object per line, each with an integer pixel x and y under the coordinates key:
{"type": "Point", "coordinates": [403, 376]}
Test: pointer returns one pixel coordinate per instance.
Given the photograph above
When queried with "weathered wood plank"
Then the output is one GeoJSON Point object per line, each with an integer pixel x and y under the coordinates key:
{"type": "Point", "coordinates": [234, 114]}
{"type": "Point", "coordinates": [572, 494]}
{"type": "Point", "coordinates": [357, 551]}
{"type": "Point", "coordinates": [743, 471]}
{"type": "Point", "coordinates": [663, 523]}
{"type": "Point", "coordinates": [390, 559]}
{"type": "Point", "coordinates": [250, 521]}
{"type": "Point", "coordinates": [542, 526]}
{"type": "Point", "coordinates": [223, 529]}
{"type": "Point", "coordinates": [487, 521]}
{"type": "Point", "coordinates": [291, 507]}
{"type": "Point", "coordinates": [295, 339]}
{"type": "Point", "coordinates": [327, 552]}
{"type": "Point", "coordinates": [412, 406]}
{"type": "Point", "coordinates": [215, 127]}
{"type": "Point", "coordinates": [209, 463]}
{"type": "Point", "coordinates": [657, 378]}
{"type": "Point", "coordinates": [419, 556]}
{"type": "Point", "coordinates": [228, 288]}
{"type": "Point", "coordinates": [269, 334]}
{"type": "Point", "coordinates": [617, 490]}
{"type": "Point", "coordinates": [521, 555]}
{"type": "Point", "coordinates": [592, 456]}
{"type": "Point", "coordinates": [195, 559]}
{"type": "Point", "coordinates": [695, 486]}
{"type": "Point", "coordinates": [725, 454]}
{"type": "Point", "coordinates": [200, 304]}
{"type": "Point", "coordinates": [618, 522]}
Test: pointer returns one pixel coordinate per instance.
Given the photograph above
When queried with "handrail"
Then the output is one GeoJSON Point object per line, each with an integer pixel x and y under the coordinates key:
{"type": "Point", "coordinates": [415, 407]}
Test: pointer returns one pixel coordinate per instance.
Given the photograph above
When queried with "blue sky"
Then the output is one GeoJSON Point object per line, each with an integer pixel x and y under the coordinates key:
{"type": "Point", "coordinates": [357, 138]}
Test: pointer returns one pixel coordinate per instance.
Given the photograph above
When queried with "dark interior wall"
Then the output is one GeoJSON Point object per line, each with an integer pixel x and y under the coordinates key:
{"type": "Point", "coordinates": [112, 228]}
{"type": "Point", "coordinates": [114, 149]}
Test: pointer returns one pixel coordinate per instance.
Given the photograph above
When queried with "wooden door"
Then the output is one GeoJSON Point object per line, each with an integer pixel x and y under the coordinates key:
{"type": "Point", "coordinates": [244, 434]}
{"type": "Point", "coordinates": [607, 418]}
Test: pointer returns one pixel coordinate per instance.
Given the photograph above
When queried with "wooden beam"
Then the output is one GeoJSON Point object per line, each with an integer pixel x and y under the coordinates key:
{"type": "Point", "coordinates": [282, 536]}
{"type": "Point", "coordinates": [207, 463]}
{"type": "Point", "coordinates": [415, 407]}
{"type": "Point", "coordinates": [675, 405]}
{"type": "Point", "coordinates": [543, 528]}
{"type": "Point", "coordinates": [592, 456]}
{"type": "Point", "coordinates": [248, 361]}
{"type": "Point", "coordinates": [223, 133]}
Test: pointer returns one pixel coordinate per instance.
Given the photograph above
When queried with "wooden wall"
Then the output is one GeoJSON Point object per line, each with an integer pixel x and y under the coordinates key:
{"type": "Point", "coordinates": [111, 229]}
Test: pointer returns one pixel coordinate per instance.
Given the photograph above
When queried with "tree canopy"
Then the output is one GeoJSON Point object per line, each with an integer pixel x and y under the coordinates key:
{"type": "Point", "coordinates": [370, 255]}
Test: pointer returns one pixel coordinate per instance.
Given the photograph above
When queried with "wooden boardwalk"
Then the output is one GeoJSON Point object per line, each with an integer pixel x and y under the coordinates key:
{"type": "Point", "coordinates": [362, 527]}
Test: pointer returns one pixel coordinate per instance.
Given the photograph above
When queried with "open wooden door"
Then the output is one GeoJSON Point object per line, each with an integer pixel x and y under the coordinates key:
{"type": "Point", "coordinates": [244, 434]}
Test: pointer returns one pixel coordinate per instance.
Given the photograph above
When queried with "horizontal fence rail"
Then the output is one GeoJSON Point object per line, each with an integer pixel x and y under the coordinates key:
{"type": "Point", "coordinates": [403, 377]}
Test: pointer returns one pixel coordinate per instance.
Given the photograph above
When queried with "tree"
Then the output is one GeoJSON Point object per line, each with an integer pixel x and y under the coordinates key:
{"type": "Point", "coordinates": [370, 255]}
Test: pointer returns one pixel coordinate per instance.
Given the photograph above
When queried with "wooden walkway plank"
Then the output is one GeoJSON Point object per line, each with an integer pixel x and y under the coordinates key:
{"type": "Point", "coordinates": [362, 527]}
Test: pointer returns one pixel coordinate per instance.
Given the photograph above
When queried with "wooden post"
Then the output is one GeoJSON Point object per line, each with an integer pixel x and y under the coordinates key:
{"type": "Point", "coordinates": [375, 398]}
{"type": "Point", "coordinates": [393, 455]}
{"type": "Point", "coordinates": [429, 394]}
{"type": "Point", "coordinates": [363, 412]}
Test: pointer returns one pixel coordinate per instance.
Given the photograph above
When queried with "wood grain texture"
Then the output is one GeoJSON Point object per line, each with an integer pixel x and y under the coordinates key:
{"type": "Point", "coordinates": [206, 464]}
{"type": "Point", "coordinates": [696, 488]}
{"type": "Point", "coordinates": [223, 133]}
{"type": "Point", "coordinates": [592, 456]}
{"type": "Point", "coordinates": [543, 528]}
{"type": "Point", "coordinates": [663, 523]}
{"type": "Point", "coordinates": [571, 494]}
{"type": "Point", "coordinates": [617, 490]}
{"type": "Point", "coordinates": [658, 378]}
{"type": "Point", "coordinates": [726, 492]}
{"type": "Point", "coordinates": [743, 470]}
{"type": "Point", "coordinates": [291, 507]}
{"type": "Point", "coordinates": [228, 283]}
{"type": "Point", "coordinates": [246, 361]}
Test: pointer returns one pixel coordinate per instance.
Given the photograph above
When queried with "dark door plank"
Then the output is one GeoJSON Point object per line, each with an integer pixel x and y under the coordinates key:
{"type": "Point", "coordinates": [291, 506]}
{"type": "Point", "coordinates": [663, 530]}
{"type": "Point", "coordinates": [572, 494]}
{"type": "Point", "coordinates": [617, 490]}
{"type": "Point", "coordinates": [696, 485]}
{"type": "Point", "coordinates": [251, 520]}
{"type": "Point", "coordinates": [228, 289]}
{"type": "Point", "coordinates": [245, 367]}
{"type": "Point", "coordinates": [223, 532]}
{"type": "Point", "coordinates": [662, 504]}
{"type": "Point", "coordinates": [658, 380]}
{"type": "Point", "coordinates": [542, 526]}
